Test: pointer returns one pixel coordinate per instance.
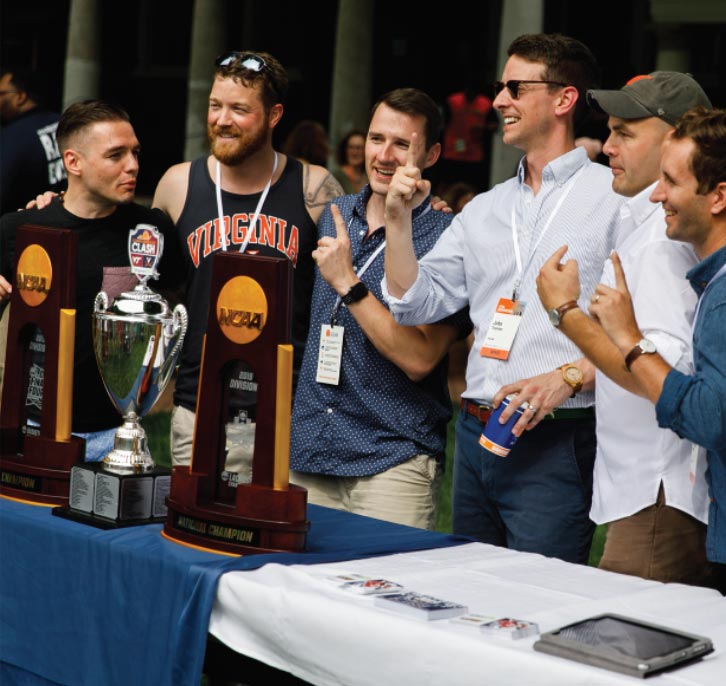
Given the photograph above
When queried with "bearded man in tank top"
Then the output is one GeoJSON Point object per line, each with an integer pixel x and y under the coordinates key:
{"type": "Point", "coordinates": [265, 203]}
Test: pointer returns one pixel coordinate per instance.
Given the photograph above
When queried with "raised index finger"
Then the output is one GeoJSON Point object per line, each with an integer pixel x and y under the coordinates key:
{"type": "Point", "coordinates": [414, 149]}
{"type": "Point", "coordinates": [620, 283]}
{"type": "Point", "coordinates": [340, 229]}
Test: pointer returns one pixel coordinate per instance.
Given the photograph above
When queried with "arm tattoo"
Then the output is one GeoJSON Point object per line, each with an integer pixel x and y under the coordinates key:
{"type": "Point", "coordinates": [323, 193]}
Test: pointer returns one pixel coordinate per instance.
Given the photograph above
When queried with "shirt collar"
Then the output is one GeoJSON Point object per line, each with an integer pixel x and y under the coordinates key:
{"type": "Point", "coordinates": [639, 207]}
{"type": "Point", "coordinates": [561, 169]}
{"type": "Point", "coordinates": [704, 271]}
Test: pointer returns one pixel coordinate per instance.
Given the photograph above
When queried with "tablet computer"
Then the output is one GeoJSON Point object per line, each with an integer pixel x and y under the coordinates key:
{"type": "Point", "coordinates": [624, 645]}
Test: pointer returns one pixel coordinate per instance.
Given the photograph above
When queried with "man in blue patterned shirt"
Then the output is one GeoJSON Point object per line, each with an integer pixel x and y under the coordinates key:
{"type": "Point", "coordinates": [692, 190]}
{"type": "Point", "coordinates": [372, 404]}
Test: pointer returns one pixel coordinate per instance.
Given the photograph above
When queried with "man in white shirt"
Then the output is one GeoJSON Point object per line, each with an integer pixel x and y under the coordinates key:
{"type": "Point", "coordinates": [538, 498]}
{"type": "Point", "coordinates": [648, 484]}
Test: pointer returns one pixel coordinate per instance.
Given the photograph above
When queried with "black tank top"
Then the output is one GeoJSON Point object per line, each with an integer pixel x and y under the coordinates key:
{"type": "Point", "coordinates": [284, 229]}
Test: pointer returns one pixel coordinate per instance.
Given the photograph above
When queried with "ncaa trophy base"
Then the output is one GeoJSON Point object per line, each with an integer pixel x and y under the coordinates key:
{"type": "Point", "coordinates": [41, 475]}
{"type": "Point", "coordinates": [262, 519]}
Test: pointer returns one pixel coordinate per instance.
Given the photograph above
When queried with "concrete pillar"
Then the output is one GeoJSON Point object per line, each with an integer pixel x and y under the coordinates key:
{"type": "Point", "coordinates": [83, 67]}
{"type": "Point", "coordinates": [207, 42]}
{"type": "Point", "coordinates": [672, 53]}
{"type": "Point", "coordinates": [518, 17]}
{"type": "Point", "coordinates": [350, 101]}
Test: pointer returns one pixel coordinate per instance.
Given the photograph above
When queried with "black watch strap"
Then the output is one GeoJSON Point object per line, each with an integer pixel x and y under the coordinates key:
{"type": "Point", "coordinates": [357, 292]}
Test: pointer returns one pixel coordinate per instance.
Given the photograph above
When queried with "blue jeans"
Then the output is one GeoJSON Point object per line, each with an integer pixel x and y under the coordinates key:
{"type": "Point", "coordinates": [98, 443]}
{"type": "Point", "coordinates": [537, 499]}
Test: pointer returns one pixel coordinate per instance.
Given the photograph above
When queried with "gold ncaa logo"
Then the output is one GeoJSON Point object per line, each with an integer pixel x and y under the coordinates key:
{"type": "Point", "coordinates": [242, 309]}
{"type": "Point", "coordinates": [34, 275]}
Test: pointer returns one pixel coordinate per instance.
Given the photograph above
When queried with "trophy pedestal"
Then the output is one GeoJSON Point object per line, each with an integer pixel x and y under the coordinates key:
{"type": "Point", "coordinates": [262, 520]}
{"type": "Point", "coordinates": [109, 500]}
{"type": "Point", "coordinates": [42, 473]}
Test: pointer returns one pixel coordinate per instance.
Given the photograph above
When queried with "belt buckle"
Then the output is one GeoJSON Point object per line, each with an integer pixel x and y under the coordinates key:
{"type": "Point", "coordinates": [483, 412]}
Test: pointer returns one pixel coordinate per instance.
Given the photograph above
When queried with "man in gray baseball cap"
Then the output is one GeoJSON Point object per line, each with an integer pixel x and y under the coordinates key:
{"type": "Point", "coordinates": [649, 485]}
{"type": "Point", "coordinates": [663, 94]}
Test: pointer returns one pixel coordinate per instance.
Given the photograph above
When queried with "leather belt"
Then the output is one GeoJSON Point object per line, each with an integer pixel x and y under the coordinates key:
{"type": "Point", "coordinates": [482, 411]}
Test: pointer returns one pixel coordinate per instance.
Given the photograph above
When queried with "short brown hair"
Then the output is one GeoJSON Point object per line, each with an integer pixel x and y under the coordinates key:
{"type": "Point", "coordinates": [566, 60]}
{"type": "Point", "coordinates": [80, 115]}
{"type": "Point", "coordinates": [415, 103]}
{"type": "Point", "coordinates": [707, 129]}
{"type": "Point", "coordinates": [271, 79]}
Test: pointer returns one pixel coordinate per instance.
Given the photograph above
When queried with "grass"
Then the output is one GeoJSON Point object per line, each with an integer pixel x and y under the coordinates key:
{"type": "Point", "coordinates": [157, 430]}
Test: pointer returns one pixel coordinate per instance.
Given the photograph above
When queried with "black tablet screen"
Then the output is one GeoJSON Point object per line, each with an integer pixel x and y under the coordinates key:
{"type": "Point", "coordinates": [620, 637]}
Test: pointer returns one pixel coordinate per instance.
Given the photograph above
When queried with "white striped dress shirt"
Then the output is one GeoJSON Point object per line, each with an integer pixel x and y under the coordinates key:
{"type": "Point", "coordinates": [474, 263]}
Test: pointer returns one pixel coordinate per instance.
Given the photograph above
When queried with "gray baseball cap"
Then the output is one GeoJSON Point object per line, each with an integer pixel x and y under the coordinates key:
{"type": "Point", "coordinates": [664, 94]}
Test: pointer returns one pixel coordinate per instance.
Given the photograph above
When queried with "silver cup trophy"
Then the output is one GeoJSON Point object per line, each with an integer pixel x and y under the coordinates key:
{"type": "Point", "coordinates": [137, 341]}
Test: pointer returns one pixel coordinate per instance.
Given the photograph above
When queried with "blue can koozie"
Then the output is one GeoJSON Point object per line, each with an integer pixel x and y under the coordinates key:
{"type": "Point", "coordinates": [498, 438]}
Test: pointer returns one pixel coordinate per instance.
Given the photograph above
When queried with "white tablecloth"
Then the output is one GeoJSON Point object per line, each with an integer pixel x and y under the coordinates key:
{"type": "Point", "coordinates": [295, 620]}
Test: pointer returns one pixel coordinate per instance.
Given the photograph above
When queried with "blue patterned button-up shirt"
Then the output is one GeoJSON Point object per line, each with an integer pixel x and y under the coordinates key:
{"type": "Point", "coordinates": [376, 417]}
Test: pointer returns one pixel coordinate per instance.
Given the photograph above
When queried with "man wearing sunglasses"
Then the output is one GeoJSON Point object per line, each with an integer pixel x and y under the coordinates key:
{"type": "Point", "coordinates": [649, 484]}
{"type": "Point", "coordinates": [538, 498]}
{"type": "Point", "coordinates": [268, 204]}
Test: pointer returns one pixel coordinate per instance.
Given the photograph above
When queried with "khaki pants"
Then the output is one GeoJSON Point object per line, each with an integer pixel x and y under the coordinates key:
{"type": "Point", "coordinates": [240, 443]}
{"type": "Point", "coordinates": [405, 494]}
{"type": "Point", "coordinates": [660, 543]}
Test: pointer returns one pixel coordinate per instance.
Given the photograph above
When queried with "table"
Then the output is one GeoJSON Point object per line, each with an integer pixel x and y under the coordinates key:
{"type": "Point", "coordinates": [90, 607]}
{"type": "Point", "coordinates": [291, 618]}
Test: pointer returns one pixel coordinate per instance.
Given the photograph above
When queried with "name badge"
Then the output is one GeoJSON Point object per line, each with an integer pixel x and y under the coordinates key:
{"type": "Point", "coordinates": [330, 354]}
{"type": "Point", "coordinates": [499, 338]}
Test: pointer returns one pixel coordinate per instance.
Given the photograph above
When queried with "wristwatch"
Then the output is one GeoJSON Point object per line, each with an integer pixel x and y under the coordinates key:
{"type": "Point", "coordinates": [357, 292]}
{"type": "Point", "coordinates": [557, 313]}
{"type": "Point", "coordinates": [573, 377]}
{"type": "Point", "coordinates": [642, 347]}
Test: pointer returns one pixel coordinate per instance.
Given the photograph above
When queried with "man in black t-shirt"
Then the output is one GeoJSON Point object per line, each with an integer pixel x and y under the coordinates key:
{"type": "Point", "coordinates": [100, 153]}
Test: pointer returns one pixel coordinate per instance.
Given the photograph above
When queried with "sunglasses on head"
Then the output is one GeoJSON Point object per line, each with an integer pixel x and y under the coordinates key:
{"type": "Point", "coordinates": [246, 60]}
{"type": "Point", "coordinates": [513, 86]}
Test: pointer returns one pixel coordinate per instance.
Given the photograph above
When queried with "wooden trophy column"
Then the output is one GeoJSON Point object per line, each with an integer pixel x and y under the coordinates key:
{"type": "Point", "coordinates": [248, 328]}
{"type": "Point", "coordinates": [36, 468]}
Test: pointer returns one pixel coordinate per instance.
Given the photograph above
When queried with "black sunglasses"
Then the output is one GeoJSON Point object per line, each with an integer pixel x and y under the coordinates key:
{"type": "Point", "coordinates": [246, 60]}
{"type": "Point", "coordinates": [513, 86]}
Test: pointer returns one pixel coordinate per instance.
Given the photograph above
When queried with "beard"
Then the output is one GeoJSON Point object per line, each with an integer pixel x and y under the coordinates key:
{"type": "Point", "coordinates": [232, 151]}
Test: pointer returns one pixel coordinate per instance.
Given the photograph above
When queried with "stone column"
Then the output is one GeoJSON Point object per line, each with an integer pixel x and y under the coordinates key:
{"type": "Point", "coordinates": [207, 42]}
{"type": "Point", "coordinates": [672, 53]}
{"type": "Point", "coordinates": [83, 66]}
{"type": "Point", "coordinates": [518, 17]}
{"type": "Point", "coordinates": [350, 100]}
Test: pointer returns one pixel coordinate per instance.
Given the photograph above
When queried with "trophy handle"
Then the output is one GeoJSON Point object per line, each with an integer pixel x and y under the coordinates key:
{"type": "Point", "coordinates": [180, 321]}
{"type": "Point", "coordinates": [100, 304]}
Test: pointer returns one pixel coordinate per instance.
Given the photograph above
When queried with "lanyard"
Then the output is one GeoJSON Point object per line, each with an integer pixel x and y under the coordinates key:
{"type": "Point", "coordinates": [260, 202]}
{"type": "Point", "coordinates": [521, 268]}
{"type": "Point", "coordinates": [368, 262]}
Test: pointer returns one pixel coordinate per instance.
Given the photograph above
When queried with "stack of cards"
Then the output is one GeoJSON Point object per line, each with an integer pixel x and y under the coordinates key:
{"type": "Point", "coordinates": [421, 606]}
{"type": "Point", "coordinates": [371, 587]}
{"type": "Point", "coordinates": [506, 627]}
{"type": "Point", "coordinates": [472, 621]}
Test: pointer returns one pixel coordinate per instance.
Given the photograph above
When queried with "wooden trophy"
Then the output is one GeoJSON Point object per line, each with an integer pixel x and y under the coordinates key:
{"type": "Point", "coordinates": [35, 462]}
{"type": "Point", "coordinates": [245, 393]}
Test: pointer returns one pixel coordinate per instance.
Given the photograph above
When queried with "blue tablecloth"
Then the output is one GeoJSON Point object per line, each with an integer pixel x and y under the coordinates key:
{"type": "Point", "coordinates": [88, 607]}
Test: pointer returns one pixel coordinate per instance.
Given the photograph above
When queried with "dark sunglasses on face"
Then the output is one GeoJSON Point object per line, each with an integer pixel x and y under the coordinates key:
{"type": "Point", "coordinates": [247, 60]}
{"type": "Point", "coordinates": [513, 86]}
